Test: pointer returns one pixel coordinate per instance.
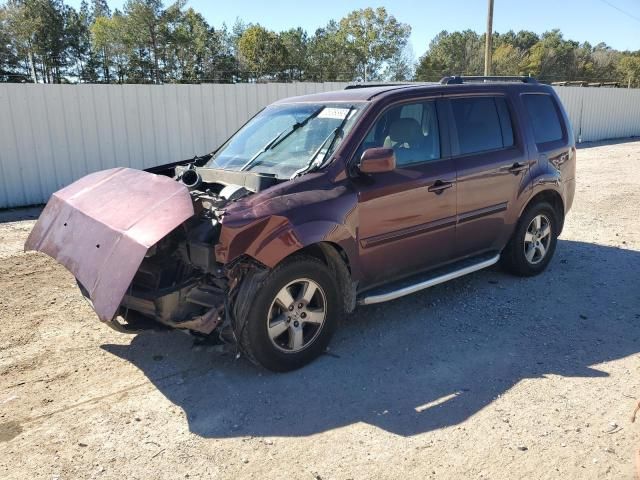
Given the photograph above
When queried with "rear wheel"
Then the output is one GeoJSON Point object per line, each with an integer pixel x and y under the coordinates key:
{"type": "Point", "coordinates": [293, 315]}
{"type": "Point", "coordinates": [534, 241]}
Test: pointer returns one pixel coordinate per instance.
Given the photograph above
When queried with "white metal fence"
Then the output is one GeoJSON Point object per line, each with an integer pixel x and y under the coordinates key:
{"type": "Point", "coordinates": [50, 135]}
{"type": "Point", "coordinates": [602, 113]}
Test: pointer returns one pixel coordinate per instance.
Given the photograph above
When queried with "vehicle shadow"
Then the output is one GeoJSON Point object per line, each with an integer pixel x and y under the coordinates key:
{"type": "Point", "coordinates": [419, 363]}
{"type": "Point", "coordinates": [603, 143]}
{"type": "Point", "coordinates": [20, 214]}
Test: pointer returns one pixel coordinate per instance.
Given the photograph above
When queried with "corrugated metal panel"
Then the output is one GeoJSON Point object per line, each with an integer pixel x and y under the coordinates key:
{"type": "Point", "coordinates": [572, 100]}
{"type": "Point", "coordinates": [602, 113]}
{"type": "Point", "coordinates": [51, 135]}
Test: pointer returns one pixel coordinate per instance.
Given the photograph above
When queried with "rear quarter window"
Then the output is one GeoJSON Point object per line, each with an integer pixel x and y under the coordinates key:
{"type": "Point", "coordinates": [544, 118]}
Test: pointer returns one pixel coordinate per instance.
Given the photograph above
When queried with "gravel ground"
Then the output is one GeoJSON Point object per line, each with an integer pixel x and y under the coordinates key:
{"type": "Point", "coordinates": [489, 376]}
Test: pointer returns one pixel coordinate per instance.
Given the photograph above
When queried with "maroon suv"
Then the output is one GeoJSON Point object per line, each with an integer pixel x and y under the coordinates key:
{"type": "Point", "coordinates": [320, 203]}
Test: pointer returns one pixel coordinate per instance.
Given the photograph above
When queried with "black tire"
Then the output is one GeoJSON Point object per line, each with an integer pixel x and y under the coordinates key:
{"type": "Point", "coordinates": [513, 258]}
{"type": "Point", "coordinates": [253, 334]}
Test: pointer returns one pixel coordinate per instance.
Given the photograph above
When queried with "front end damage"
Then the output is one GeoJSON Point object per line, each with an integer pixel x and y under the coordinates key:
{"type": "Point", "coordinates": [141, 246]}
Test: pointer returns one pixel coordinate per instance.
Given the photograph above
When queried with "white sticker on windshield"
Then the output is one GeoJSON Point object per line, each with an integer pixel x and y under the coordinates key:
{"type": "Point", "coordinates": [338, 113]}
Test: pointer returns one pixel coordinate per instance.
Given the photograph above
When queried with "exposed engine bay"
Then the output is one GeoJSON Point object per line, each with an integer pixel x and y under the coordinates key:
{"type": "Point", "coordinates": [179, 283]}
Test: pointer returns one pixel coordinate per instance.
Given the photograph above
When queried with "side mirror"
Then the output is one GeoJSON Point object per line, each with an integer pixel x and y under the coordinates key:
{"type": "Point", "coordinates": [378, 160]}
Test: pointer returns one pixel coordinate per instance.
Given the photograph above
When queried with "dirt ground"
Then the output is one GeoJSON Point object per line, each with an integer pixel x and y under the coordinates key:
{"type": "Point", "coordinates": [489, 376]}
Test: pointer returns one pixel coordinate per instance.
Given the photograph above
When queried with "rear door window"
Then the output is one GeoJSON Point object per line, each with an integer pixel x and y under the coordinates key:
{"type": "Point", "coordinates": [482, 124]}
{"type": "Point", "coordinates": [544, 118]}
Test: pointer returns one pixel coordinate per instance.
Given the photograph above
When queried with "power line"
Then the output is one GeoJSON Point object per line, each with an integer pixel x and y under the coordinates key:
{"type": "Point", "coordinates": [630, 15]}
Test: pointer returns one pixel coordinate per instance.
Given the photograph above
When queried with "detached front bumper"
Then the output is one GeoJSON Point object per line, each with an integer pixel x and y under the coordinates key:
{"type": "Point", "coordinates": [101, 227]}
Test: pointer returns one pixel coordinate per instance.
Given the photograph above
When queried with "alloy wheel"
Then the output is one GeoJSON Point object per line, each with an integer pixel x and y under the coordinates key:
{"type": "Point", "coordinates": [537, 239]}
{"type": "Point", "coordinates": [296, 315]}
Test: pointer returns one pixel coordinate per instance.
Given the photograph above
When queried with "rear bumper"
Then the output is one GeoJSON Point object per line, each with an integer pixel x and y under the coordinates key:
{"type": "Point", "coordinates": [569, 194]}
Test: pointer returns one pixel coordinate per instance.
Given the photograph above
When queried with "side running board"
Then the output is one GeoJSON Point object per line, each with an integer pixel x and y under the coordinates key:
{"type": "Point", "coordinates": [407, 287]}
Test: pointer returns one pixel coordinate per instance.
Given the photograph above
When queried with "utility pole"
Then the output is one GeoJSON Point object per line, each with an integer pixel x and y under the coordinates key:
{"type": "Point", "coordinates": [488, 41]}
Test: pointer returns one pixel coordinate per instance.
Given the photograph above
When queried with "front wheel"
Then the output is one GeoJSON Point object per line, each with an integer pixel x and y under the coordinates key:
{"type": "Point", "coordinates": [534, 241]}
{"type": "Point", "coordinates": [292, 316]}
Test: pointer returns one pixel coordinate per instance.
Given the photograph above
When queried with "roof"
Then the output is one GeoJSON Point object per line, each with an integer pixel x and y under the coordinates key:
{"type": "Point", "coordinates": [348, 95]}
{"type": "Point", "coordinates": [365, 92]}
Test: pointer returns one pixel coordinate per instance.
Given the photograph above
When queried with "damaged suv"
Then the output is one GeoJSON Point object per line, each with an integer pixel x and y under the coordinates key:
{"type": "Point", "coordinates": [320, 203]}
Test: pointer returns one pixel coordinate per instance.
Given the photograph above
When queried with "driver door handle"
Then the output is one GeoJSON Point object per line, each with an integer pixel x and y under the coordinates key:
{"type": "Point", "coordinates": [439, 186]}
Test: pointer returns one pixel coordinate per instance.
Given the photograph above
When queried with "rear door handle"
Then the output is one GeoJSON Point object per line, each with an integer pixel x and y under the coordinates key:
{"type": "Point", "coordinates": [518, 167]}
{"type": "Point", "coordinates": [439, 186]}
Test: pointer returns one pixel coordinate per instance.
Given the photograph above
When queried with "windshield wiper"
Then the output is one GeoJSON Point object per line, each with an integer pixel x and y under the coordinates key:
{"type": "Point", "coordinates": [297, 125]}
{"type": "Point", "coordinates": [331, 138]}
{"type": "Point", "coordinates": [279, 138]}
{"type": "Point", "coordinates": [267, 146]}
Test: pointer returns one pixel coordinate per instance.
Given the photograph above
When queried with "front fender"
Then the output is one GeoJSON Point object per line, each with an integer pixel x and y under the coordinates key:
{"type": "Point", "coordinates": [271, 240]}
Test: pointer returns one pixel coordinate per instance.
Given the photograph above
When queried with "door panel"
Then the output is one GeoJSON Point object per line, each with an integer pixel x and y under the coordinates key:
{"type": "Point", "coordinates": [491, 162]}
{"type": "Point", "coordinates": [488, 186]}
{"type": "Point", "coordinates": [404, 227]}
{"type": "Point", "coordinates": [407, 217]}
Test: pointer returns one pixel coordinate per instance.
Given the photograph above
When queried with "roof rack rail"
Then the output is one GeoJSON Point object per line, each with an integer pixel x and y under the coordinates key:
{"type": "Point", "coordinates": [378, 84]}
{"type": "Point", "coordinates": [459, 80]}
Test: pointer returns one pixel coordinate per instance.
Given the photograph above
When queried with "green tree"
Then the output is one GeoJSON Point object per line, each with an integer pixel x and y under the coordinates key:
{"type": "Point", "coordinates": [511, 51]}
{"type": "Point", "coordinates": [100, 9]}
{"type": "Point", "coordinates": [261, 51]}
{"type": "Point", "coordinates": [506, 60]}
{"type": "Point", "coordinates": [146, 35]}
{"type": "Point", "coordinates": [629, 69]}
{"type": "Point", "coordinates": [296, 46]}
{"type": "Point", "coordinates": [143, 20]}
{"type": "Point", "coordinates": [374, 37]}
{"type": "Point", "coordinates": [553, 58]}
{"type": "Point", "coordinates": [37, 29]}
{"type": "Point", "coordinates": [82, 63]}
{"type": "Point", "coordinates": [237, 29]}
{"type": "Point", "coordinates": [605, 61]}
{"type": "Point", "coordinates": [48, 41]}
{"type": "Point", "coordinates": [400, 68]}
{"type": "Point", "coordinates": [21, 26]}
{"type": "Point", "coordinates": [329, 60]}
{"type": "Point", "coordinates": [221, 64]}
{"type": "Point", "coordinates": [459, 53]}
{"type": "Point", "coordinates": [109, 36]}
{"type": "Point", "coordinates": [11, 69]}
{"type": "Point", "coordinates": [524, 40]}
{"type": "Point", "coordinates": [184, 50]}
{"type": "Point", "coordinates": [430, 69]}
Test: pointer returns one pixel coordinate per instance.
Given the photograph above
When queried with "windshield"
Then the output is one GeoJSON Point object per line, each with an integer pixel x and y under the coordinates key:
{"type": "Point", "coordinates": [289, 139]}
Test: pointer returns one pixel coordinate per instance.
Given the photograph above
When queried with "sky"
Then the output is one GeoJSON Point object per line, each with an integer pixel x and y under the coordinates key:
{"type": "Point", "coordinates": [594, 21]}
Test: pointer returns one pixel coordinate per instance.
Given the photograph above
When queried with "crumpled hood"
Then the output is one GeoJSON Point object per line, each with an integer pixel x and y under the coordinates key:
{"type": "Point", "coordinates": [101, 226]}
